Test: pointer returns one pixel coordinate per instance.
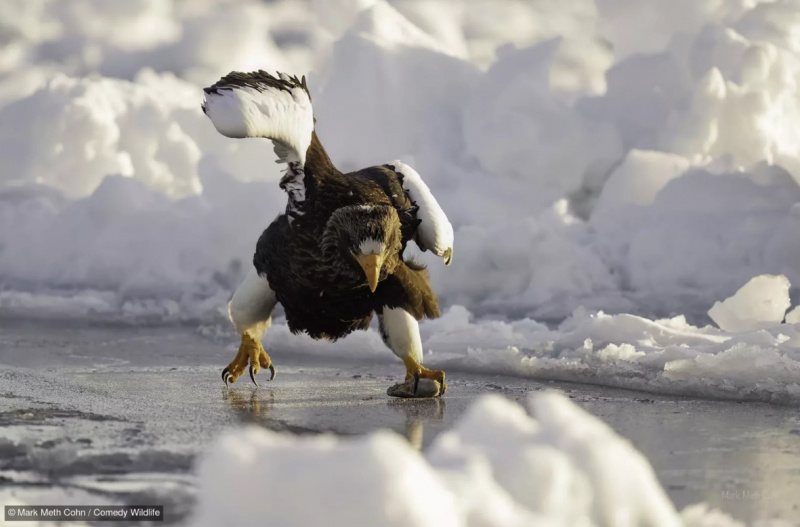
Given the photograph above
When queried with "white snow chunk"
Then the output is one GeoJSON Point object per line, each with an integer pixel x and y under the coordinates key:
{"type": "Point", "coordinates": [498, 467]}
{"type": "Point", "coordinates": [759, 304]}
{"type": "Point", "coordinates": [254, 475]}
{"type": "Point", "coordinates": [564, 465]}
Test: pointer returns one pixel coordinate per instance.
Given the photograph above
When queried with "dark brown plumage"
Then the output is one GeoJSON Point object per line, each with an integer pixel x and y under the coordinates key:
{"type": "Point", "coordinates": [258, 80]}
{"type": "Point", "coordinates": [334, 257]}
{"type": "Point", "coordinates": [309, 262]}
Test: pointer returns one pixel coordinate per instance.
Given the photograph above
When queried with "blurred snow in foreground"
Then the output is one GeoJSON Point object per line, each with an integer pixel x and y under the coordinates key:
{"type": "Point", "coordinates": [497, 467]}
{"type": "Point", "coordinates": [630, 156]}
{"type": "Point", "coordinates": [555, 465]}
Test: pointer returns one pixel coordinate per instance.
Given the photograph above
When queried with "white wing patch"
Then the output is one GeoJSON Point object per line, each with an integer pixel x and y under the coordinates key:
{"type": "Point", "coordinates": [435, 233]}
{"type": "Point", "coordinates": [260, 105]}
{"type": "Point", "coordinates": [285, 116]}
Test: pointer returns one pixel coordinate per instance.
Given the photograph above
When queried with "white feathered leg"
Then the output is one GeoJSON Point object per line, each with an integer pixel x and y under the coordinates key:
{"type": "Point", "coordinates": [250, 311]}
{"type": "Point", "coordinates": [400, 332]}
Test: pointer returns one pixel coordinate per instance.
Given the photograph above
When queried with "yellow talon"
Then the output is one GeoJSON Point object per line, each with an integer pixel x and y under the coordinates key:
{"type": "Point", "coordinates": [417, 371]}
{"type": "Point", "coordinates": [250, 351]}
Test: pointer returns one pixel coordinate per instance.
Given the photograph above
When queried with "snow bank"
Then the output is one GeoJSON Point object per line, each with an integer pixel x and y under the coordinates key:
{"type": "Point", "coordinates": [520, 157]}
{"type": "Point", "coordinates": [73, 132]}
{"type": "Point", "coordinates": [705, 234]}
{"type": "Point", "coordinates": [667, 356]}
{"type": "Point", "coordinates": [98, 127]}
{"type": "Point", "coordinates": [382, 72]}
{"type": "Point", "coordinates": [517, 128]}
{"type": "Point", "coordinates": [498, 466]}
{"type": "Point", "coordinates": [135, 251]}
{"type": "Point", "coordinates": [196, 38]}
{"type": "Point", "coordinates": [585, 167]}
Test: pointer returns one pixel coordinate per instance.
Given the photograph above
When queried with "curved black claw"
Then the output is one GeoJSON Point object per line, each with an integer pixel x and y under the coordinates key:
{"type": "Point", "coordinates": [272, 372]}
{"type": "Point", "coordinates": [226, 376]}
{"type": "Point", "coordinates": [416, 382]}
{"type": "Point", "coordinates": [252, 375]}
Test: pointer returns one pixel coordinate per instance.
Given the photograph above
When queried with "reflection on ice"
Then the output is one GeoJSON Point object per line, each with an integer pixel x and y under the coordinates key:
{"type": "Point", "coordinates": [251, 405]}
{"type": "Point", "coordinates": [417, 413]}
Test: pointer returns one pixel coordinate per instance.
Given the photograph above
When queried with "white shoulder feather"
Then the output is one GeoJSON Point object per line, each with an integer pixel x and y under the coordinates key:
{"type": "Point", "coordinates": [435, 233]}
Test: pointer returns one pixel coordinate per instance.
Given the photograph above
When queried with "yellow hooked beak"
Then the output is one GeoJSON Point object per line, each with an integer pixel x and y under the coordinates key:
{"type": "Point", "coordinates": [371, 264]}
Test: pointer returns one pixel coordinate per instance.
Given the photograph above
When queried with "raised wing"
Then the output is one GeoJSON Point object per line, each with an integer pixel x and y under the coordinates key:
{"type": "Point", "coordinates": [257, 104]}
{"type": "Point", "coordinates": [435, 233]}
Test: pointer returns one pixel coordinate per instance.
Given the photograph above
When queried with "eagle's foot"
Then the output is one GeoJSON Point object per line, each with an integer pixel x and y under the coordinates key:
{"type": "Point", "coordinates": [416, 388]}
{"type": "Point", "coordinates": [425, 373]}
{"type": "Point", "coordinates": [250, 351]}
{"type": "Point", "coordinates": [420, 382]}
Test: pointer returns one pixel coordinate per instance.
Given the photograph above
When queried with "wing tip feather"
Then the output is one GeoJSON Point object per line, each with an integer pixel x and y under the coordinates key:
{"type": "Point", "coordinates": [229, 105]}
{"type": "Point", "coordinates": [258, 80]}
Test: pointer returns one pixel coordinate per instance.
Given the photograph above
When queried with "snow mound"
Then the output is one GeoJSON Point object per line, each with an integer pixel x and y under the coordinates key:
{"type": "Point", "coordinates": [497, 467]}
{"type": "Point", "coordinates": [560, 465]}
{"type": "Point", "coordinates": [190, 37]}
{"type": "Point", "coordinates": [638, 180]}
{"type": "Point", "coordinates": [518, 129]}
{"type": "Point", "coordinates": [668, 356]}
{"type": "Point", "coordinates": [588, 171]}
{"type": "Point", "coordinates": [382, 72]}
{"type": "Point", "coordinates": [760, 303]}
{"type": "Point", "coordinates": [74, 132]}
{"type": "Point", "coordinates": [96, 128]}
{"type": "Point", "coordinates": [706, 233]}
{"type": "Point", "coordinates": [580, 164]}
{"type": "Point", "coordinates": [377, 480]}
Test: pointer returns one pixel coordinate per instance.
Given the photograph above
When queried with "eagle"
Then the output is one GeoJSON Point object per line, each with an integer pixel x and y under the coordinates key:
{"type": "Point", "coordinates": [335, 256]}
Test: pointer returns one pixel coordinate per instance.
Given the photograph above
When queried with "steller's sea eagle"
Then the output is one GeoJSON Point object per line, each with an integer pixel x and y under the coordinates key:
{"type": "Point", "coordinates": [335, 256]}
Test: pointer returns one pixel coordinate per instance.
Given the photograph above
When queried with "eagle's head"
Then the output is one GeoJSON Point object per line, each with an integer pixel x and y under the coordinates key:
{"type": "Point", "coordinates": [365, 237]}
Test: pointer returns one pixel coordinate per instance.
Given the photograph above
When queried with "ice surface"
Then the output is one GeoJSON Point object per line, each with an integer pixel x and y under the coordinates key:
{"type": "Point", "coordinates": [607, 166]}
{"type": "Point", "coordinates": [497, 467]}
